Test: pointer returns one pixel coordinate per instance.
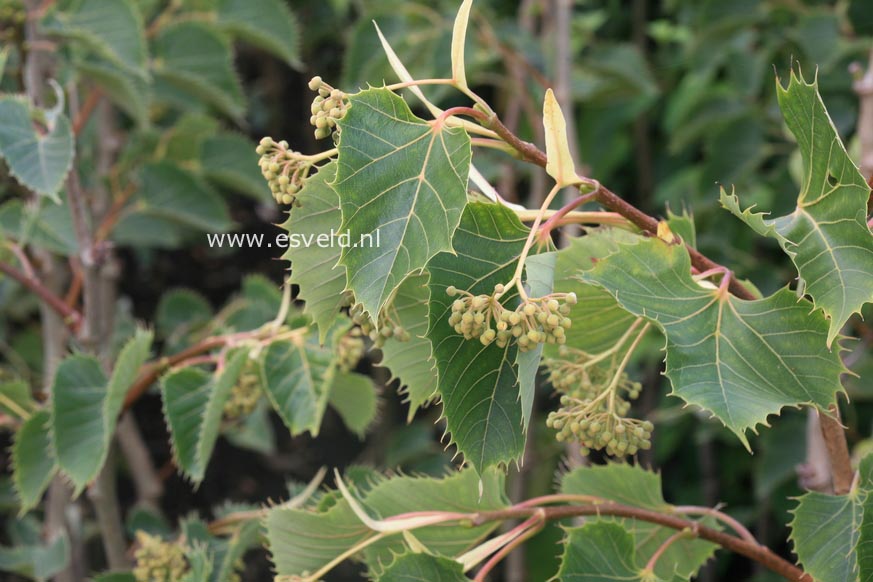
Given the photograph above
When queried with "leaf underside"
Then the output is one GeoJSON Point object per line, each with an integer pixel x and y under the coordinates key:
{"type": "Point", "coordinates": [332, 527]}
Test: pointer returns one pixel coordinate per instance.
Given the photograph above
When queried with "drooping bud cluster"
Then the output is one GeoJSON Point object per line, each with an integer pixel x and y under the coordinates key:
{"type": "Point", "coordinates": [535, 321]}
{"type": "Point", "coordinates": [158, 560]}
{"type": "Point", "coordinates": [386, 326]}
{"type": "Point", "coordinates": [350, 349]}
{"type": "Point", "coordinates": [245, 394]}
{"type": "Point", "coordinates": [595, 400]}
{"type": "Point", "coordinates": [284, 169]}
{"type": "Point", "coordinates": [327, 108]}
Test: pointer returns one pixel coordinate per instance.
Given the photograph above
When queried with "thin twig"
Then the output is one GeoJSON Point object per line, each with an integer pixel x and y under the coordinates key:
{"type": "Point", "coordinates": [87, 109]}
{"type": "Point", "coordinates": [653, 561]}
{"type": "Point", "coordinates": [151, 371]}
{"type": "Point", "coordinates": [838, 451]}
{"type": "Point", "coordinates": [719, 515]}
{"type": "Point", "coordinates": [103, 497]}
{"type": "Point", "coordinates": [753, 551]}
{"type": "Point", "coordinates": [71, 318]}
{"type": "Point", "coordinates": [613, 202]}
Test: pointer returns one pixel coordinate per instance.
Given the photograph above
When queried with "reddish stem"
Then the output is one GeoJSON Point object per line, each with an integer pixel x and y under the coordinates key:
{"type": "Point", "coordinates": [111, 219]}
{"type": "Point", "coordinates": [719, 515]}
{"type": "Point", "coordinates": [653, 561]}
{"type": "Point", "coordinates": [86, 110]}
{"type": "Point", "coordinates": [611, 201]}
{"type": "Point", "coordinates": [468, 111]}
{"type": "Point", "coordinates": [75, 290]}
{"type": "Point", "coordinates": [555, 220]}
{"type": "Point", "coordinates": [71, 317]}
{"type": "Point", "coordinates": [525, 530]}
{"type": "Point", "coordinates": [150, 372]}
{"type": "Point", "coordinates": [754, 551]}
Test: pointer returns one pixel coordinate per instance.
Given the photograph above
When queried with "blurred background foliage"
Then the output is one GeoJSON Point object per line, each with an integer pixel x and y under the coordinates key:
{"type": "Point", "coordinates": [671, 99]}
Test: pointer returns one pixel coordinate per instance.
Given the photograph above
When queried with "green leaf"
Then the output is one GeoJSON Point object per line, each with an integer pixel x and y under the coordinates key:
{"type": "Point", "coordinates": [332, 527]}
{"type": "Point", "coordinates": [599, 321]}
{"type": "Point", "coordinates": [864, 549]}
{"type": "Point", "coordinates": [619, 482]}
{"type": "Point", "coordinates": [36, 561]}
{"type": "Point", "coordinates": [229, 160]}
{"type": "Point", "coordinates": [354, 397]}
{"type": "Point", "coordinates": [464, 491]}
{"type": "Point", "coordinates": [634, 486]}
{"type": "Point", "coordinates": [112, 28]}
{"type": "Point", "coordinates": [683, 226]}
{"type": "Point", "coordinates": [140, 229]}
{"type": "Point", "coordinates": [741, 360]}
{"type": "Point", "coordinates": [259, 303]}
{"type": "Point", "coordinates": [402, 178]}
{"type": "Point", "coordinates": [217, 558]}
{"type": "Point", "coordinates": [181, 311]}
{"type": "Point", "coordinates": [48, 226]}
{"type": "Point", "coordinates": [267, 24]}
{"type": "Point", "coordinates": [411, 362]}
{"type": "Point", "coordinates": [599, 552]}
{"type": "Point", "coordinates": [421, 567]}
{"type": "Point", "coordinates": [16, 399]}
{"type": "Point", "coordinates": [826, 236]}
{"type": "Point", "coordinates": [329, 533]}
{"type": "Point", "coordinates": [255, 433]}
{"type": "Point", "coordinates": [229, 553]}
{"type": "Point", "coordinates": [85, 408]}
{"type": "Point", "coordinates": [33, 459]}
{"type": "Point", "coordinates": [184, 141]}
{"type": "Point", "coordinates": [4, 56]}
{"type": "Point", "coordinates": [478, 384]}
{"type": "Point", "coordinates": [540, 276]}
{"type": "Point", "coordinates": [78, 393]}
{"type": "Point", "coordinates": [200, 563]}
{"type": "Point", "coordinates": [168, 191]}
{"type": "Point", "coordinates": [130, 93]}
{"type": "Point", "coordinates": [297, 378]}
{"type": "Point", "coordinates": [825, 532]}
{"type": "Point", "coordinates": [193, 404]}
{"type": "Point", "coordinates": [196, 59]}
{"type": "Point", "coordinates": [314, 268]}
{"type": "Point", "coordinates": [39, 161]}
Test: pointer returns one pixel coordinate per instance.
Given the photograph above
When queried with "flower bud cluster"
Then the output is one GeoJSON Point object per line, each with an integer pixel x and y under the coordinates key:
{"type": "Point", "coordinates": [386, 326]}
{"type": "Point", "coordinates": [350, 349]}
{"type": "Point", "coordinates": [284, 169]}
{"type": "Point", "coordinates": [595, 400]}
{"type": "Point", "coordinates": [535, 321]}
{"type": "Point", "coordinates": [616, 435]}
{"type": "Point", "coordinates": [245, 394]}
{"type": "Point", "coordinates": [327, 108]}
{"type": "Point", "coordinates": [158, 560]}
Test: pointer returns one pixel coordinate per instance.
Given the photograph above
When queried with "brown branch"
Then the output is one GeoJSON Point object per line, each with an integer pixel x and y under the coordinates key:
{"type": "Point", "coordinates": [753, 551]}
{"type": "Point", "coordinates": [151, 371]}
{"type": "Point", "coordinates": [531, 153]}
{"type": "Point", "coordinates": [835, 439]}
{"type": "Point", "coordinates": [71, 317]}
{"type": "Point", "coordinates": [88, 107]}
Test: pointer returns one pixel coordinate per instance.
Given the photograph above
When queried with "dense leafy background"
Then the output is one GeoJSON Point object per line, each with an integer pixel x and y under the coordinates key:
{"type": "Point", "coordinates": [672, 98]}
